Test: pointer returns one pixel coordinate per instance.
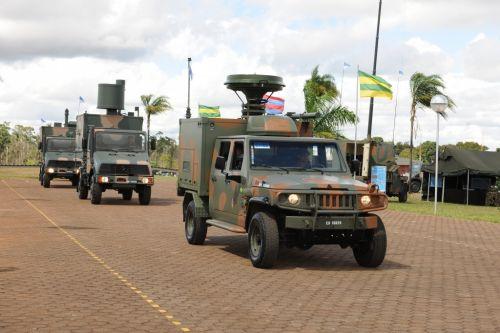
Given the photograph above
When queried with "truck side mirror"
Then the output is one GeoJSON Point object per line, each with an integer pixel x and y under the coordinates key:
{"type": "Point", "coordinates": [40, 145]}
{"type": "Point", "coordinates": [356, 165]}
{"type": "Point", "coordinates": [220, 163]}
{"type": "Point", "coordinates": [84, 144]}
{"type": "Point", "coordinates": [152, 144]}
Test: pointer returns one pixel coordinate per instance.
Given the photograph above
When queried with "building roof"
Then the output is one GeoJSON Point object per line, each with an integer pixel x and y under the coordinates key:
{"type": "Point", "coordinates": [455, 162]}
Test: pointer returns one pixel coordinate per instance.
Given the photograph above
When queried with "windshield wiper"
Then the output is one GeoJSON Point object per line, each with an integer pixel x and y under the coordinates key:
{"type": "Point", "coordinates": [306, 169]}
{"type": "Point", "coordinates": [271, 167]}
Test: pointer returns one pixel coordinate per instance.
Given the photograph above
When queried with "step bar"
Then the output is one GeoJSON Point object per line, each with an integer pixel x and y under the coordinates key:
{"type": "Point", "coordinates": [227, 226]}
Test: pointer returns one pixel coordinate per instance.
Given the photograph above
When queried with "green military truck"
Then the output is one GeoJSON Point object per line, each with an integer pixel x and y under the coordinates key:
{"type": "Point", "coordinates": [268, 177]}
{"type": "Point", "coordinates": [113, 148]}
{"type": "Point", "coordinates": [380, 154]}
{"type": "Point", "coordinates": [57, 151]}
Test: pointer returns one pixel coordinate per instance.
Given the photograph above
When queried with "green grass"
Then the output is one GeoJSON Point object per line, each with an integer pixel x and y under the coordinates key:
{"type": "Point", "coordinates": [19, 172]}
{"type": "Point", "coordinates": [474, 213]}
{"type": "Point", "coordinates": [165, 178]}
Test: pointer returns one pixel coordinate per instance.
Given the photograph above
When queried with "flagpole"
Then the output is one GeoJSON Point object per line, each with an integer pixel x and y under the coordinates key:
{"type": "Point", "coordinates": [188, 109]}
{"type": "Point", "coordinates": [342, 84]}
{"type": "Point", "coordinates": [370, 114]}
{"type": "Point", "coordinates": [356, 125]}
{"type": "Point", "coordinates": [395, 109]}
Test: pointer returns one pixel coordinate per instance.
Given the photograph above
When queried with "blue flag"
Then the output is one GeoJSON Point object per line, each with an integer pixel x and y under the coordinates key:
{"type": "Point", "coordinates": [81, 99]}
{"type": "Point", "coordinates": [190, 71]}
{"type": "Point", "coordinates": [401, 72]}
{"type": "Point", "coordinates": [346, 65]}
{"type": "Point", "coordinates": [42, 120]}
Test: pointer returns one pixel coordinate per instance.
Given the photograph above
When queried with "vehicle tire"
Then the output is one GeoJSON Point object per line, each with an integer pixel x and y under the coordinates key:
{"type": "Point", "coordinates": [46, 181]}
{"type": "Point", "coordinates": [195, 228]}
{"type": "Point", "coordinates": [263, 240]}
{"type": "Point", "coordinates": [145, 195]}
{"type": "Point", "coordinates": [95, 193]}
{"type": "Point", "coordinates": [74, 181]}
{"type": "Point", "coordinates": [127, 194]}
{"type": "Point", "coordinates": [371, 253]}
{"type": "Point", "coordinates": [403, 195]}
{"type": "Point", "coordinates": [83, 191]}
{"type": "Point", "coordinates": [415, 186]}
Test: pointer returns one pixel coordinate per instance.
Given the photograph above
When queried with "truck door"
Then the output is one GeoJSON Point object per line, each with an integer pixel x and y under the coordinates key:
{"type": "Point", "coordinates": [225, 202]}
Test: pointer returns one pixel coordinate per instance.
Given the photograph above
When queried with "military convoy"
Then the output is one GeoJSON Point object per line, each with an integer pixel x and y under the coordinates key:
{"type": "Point", "coordinates": [113, 149]}
{"type": "Point", "coordinates": [268, 177]}
{"type": "Point", "coordinates": [57, 151]}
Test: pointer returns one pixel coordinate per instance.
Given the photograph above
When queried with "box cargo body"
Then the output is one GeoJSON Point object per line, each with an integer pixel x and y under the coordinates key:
{"type": "Point", "coordinates": [196, 142]}
{"type": "Point", "coordinates": [46, 131]}
{"type": "Point", "coordinates": [84, 121]}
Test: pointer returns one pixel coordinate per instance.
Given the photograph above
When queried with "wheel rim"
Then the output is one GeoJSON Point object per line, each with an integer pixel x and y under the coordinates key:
{"type": "Point", "coordinates": [189, 226]}
{"type": "Point", "coordinates": [255, 242]}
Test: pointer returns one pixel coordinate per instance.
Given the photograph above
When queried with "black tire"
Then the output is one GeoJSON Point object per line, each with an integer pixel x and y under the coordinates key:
{"type": "Point", "coordinates": [371, 253]}
{"type": "Point", "coordinates": [403, 195]}
{"type": "Point", "coordinates": [127, 194]}
{"type": "Point", "coordinates": [415, 186]}
{"type": "Point", "coordinates": [46, 181]}
{"type": "Point", "coordinates": [74, 181]}
{"type": "Point", "coordinates": [263, 240]}
{"type": "Point", "coordinates": [195, 228]}
{"type": "Point", "coordinates": [145, 195]}
{"type": "Point", "coordinates": [83, 191]}
{"type": "Point", "coordinates": [95, 193]}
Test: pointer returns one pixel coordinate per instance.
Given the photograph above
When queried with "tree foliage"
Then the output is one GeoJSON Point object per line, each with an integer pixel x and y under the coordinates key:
{"type": "Point", "coordinates": [471, 145]}
{"type": "Point", "coordinates": [154, 106]}
{"type": "Point", "coordinates": [320, 96]}
{"type": "Point", "coordinates": [166, 152]}
{"type": "Point", "coordinates": [18, 145]}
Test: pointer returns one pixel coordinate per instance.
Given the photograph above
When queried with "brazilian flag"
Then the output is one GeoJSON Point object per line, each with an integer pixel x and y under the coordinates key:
{"type": "Point", "coordinates": [205, 111]}
{"type": "Point", "coordinates": [373, 86]}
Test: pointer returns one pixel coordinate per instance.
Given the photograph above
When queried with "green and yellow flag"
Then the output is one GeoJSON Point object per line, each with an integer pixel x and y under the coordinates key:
{"type": "Point", "coordinates": [205, 111]}
{"type": "Point", "coordinates": [373, 86]}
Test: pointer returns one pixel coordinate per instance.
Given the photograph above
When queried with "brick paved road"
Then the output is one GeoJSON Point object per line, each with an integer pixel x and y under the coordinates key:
{"type": "Point", "coordinates": [68, 266]}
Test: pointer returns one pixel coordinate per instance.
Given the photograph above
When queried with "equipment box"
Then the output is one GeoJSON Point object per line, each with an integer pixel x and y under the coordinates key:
{"type": "Point", "coordinates": [196, 145]}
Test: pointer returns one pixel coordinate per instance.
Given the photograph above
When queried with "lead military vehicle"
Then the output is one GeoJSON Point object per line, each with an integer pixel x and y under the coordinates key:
{"type": "Point", "coordinates": [268, 177]}
{"type": "Point", "coordinates": [57, 151]}
{"type": "Point", "coordinates": [114, 149]}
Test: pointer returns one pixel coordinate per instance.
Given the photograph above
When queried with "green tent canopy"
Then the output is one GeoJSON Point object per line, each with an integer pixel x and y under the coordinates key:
{"type": "Point", "coordinates": [456, 162]}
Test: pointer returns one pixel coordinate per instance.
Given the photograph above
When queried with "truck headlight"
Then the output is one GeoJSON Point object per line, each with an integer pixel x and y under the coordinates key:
{"type": "Point", "coordinates": [365, 200]}
{"type": "Point", "coordinates": [50, 170]}
{"type": "Point", "coordinates": [293, 199]}
{"type": "Point", "coordinates": [103, 179]}
{"type": "Point", "coordinates": [147, 180]}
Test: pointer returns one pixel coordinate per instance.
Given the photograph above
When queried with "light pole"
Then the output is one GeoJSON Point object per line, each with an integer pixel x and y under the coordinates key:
{"type": "Point", "coordinates": [438, 104]}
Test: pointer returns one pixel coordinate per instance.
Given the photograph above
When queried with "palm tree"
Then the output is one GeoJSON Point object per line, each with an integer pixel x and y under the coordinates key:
{"type": "Point", "coordinates": [422, 88]}
{"type": "Point", "coordinates": [320, 95]}
{"type": "Point", "coordinates": [154, 106]}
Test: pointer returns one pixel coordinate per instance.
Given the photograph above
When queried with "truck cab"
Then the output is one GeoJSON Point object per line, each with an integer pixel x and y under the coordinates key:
{"type": "Point", "coordinates": [114, 150]}
{"type": "Point", "coordinates": [259, 175]}
{"type": "Point", "coordinates": [58, 154]}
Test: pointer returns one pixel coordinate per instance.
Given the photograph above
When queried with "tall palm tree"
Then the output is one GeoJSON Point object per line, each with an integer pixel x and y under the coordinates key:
{"type": "Point", "coordinates": [154, 106]}
{"type": "Point", "coordinates": [422, 88]}
{"type": "Point", "coordinates": [320, 96]}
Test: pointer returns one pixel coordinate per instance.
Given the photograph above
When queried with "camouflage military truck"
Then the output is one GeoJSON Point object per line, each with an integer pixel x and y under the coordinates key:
{"type": "Point", "coordinates": [268, 177]}
{"type": "Point", "coordinates": [113, 149]}
{"type": "Point", "coordinates": [381, 153]}
{"type": "Point", "coordinates": [57, 151]}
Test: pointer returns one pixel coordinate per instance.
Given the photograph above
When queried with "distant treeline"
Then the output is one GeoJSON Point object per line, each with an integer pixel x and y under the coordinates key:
{"type": "Point", "coordinates": [19, 146]}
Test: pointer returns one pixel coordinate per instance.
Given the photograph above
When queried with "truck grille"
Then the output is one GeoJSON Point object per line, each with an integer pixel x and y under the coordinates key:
{"type": "Point", "coordinates": [123, 169]}
{"type": "Point", "coordinates": [63, 164]}
{"type": "Point", "coordinates": [336, 201]}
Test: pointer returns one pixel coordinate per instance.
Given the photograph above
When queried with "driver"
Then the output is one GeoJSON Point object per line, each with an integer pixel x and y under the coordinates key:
{"type": "Point", "coordinates": [303, 159]}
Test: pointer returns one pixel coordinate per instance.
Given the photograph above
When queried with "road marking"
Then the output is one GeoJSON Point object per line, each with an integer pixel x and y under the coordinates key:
{"type": "Point", "coordinates": [120, 278]}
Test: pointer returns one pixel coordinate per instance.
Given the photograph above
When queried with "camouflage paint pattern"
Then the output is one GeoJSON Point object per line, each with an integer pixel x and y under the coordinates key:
{"type": "Point", "coordinates": [229, 200]}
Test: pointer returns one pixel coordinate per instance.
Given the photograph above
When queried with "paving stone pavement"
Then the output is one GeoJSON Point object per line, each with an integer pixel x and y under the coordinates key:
{"type": "Point", "coordinates": [66, 265]}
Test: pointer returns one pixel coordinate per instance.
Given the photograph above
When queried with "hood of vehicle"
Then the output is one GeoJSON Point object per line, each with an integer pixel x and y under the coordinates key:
{"type": "Point", "coordinates": [309, 181]}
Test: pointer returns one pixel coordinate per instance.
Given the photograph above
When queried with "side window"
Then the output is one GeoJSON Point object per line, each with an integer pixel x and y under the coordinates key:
{"type": "Point", "coordinates": [224, 149]}
{"type": "Point", "coordinates": [238, 153]}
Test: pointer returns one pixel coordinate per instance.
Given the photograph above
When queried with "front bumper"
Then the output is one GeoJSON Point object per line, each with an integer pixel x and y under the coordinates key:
{"type": "Point", "coordinates": [339, 222]}
{"type": "Point", "coordinates": [62, 174]}
{"type": "Point", "coordinates": [122, 182]}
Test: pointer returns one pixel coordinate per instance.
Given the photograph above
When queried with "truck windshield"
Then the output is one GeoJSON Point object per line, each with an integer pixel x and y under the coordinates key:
{"type": "Point", "coordinates": [60, 145]}
{"type": "Point", "coordinates": [296, 155]}
{"type": "Point", "coordinates": [114, 141]}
